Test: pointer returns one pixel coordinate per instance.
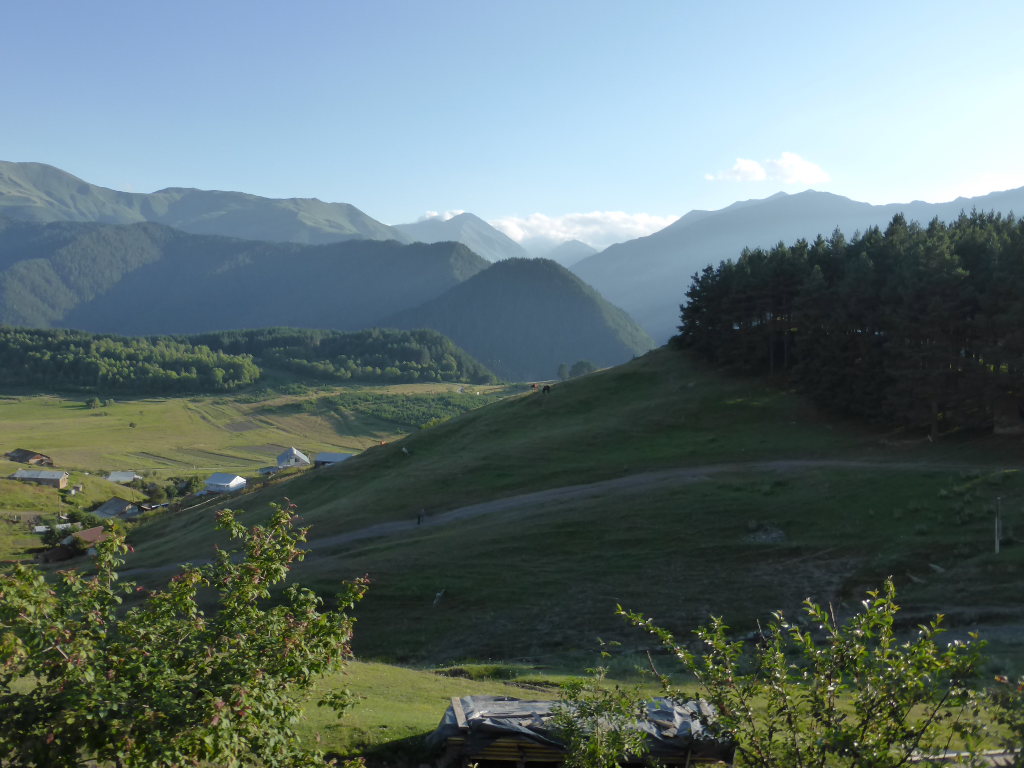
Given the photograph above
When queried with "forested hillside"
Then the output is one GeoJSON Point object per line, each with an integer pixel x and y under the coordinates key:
{"type": "Point", "coordinates": [220, 362]}
{"type": "Point", "coordinates": [522, 318]}
{"type": "Point", "coordinates": [915, 326]}
{"type": "Point", "coordinates": [150, 279]}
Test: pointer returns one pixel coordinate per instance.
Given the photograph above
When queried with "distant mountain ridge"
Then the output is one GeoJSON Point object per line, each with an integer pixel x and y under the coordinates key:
{"type": "Point", "coordinates": [648, 276]}
{"type": "Point", "coordinates": [468, 229]}
{"type": "Point", "coordinates": [42, 193]}
{"type": "Point", "coordinates": [528, 316]}
{"type": "Point", "coordinates": [150, 279]}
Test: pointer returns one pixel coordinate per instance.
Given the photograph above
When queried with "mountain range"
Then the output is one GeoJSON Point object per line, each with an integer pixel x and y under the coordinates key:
{"type": "Point", "coordinates": [648, 276]}
{"type": "Point", "coordinates": [468, 229]}
{"type": "Point", "coordinates": [150, 279]}
{"type": "Point", "coordinates": [42, 193]}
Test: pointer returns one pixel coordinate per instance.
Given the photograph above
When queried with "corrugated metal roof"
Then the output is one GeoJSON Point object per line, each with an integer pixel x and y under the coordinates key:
{"type": "Point", "coordinates": [39, 474]}
{"type": "Point", "coordinates": [333, 457]}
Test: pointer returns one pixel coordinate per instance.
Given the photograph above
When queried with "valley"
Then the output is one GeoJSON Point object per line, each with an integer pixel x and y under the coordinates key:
{"type": "Point", "coordinates": [695, 494]}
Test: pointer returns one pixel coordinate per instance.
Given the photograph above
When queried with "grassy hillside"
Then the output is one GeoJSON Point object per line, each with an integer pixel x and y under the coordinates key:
{"type": "Point", "coordinates": [756, 502]}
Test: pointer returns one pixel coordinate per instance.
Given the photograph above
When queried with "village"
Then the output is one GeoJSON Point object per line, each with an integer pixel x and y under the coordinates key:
{"type": "Point", "coordinates": [74, 531]}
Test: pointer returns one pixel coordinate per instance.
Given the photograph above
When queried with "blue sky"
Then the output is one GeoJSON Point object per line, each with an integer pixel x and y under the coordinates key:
{"type": "Point", "coordinates": [612, 118]}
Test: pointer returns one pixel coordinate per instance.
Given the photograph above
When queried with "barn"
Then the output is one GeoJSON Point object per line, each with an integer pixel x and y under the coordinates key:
{"type": "Point", "coordinates": [224, 482]}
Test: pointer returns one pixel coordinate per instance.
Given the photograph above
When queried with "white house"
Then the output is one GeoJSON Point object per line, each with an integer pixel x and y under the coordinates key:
{"type": "Point", "coordinates": [325, 459]}
{"type": "Point", "coordinates": [293, 457]}
{"type": "Point", "coordinates": [123, 478]}
{"type": "Point", "coordinates": [224, 482]}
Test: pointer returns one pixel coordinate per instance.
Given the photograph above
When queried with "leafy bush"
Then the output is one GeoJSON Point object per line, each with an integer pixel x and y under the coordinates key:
{"type": "Point", "coordinates": [163, 683]}
{"type": "Point", "coordinates": [835, 693]}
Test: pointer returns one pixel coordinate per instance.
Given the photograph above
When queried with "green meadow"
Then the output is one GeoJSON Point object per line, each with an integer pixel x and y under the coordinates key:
{"type": "Point", "coordinates": [538, 580]}
{"type": "Point", "coordinates": [662, 485]}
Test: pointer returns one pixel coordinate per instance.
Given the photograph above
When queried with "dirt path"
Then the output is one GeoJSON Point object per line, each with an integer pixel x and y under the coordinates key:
{"type": "Point", "coordinates": [666, 478]}
{"type": "Point", "coordinates": [523, 503]}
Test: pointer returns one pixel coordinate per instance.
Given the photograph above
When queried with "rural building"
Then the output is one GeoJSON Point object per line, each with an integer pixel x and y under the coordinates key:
{"type": "Point", "coordinates": [87, 539]}
{"type": "Point", "coordinates": [53, 478]}
{"type": "Point", "coordinates": [123, 478]}
{"type": "Point", "coordinates": [224, 482]}
{"type": "Point", "coordinates": [327, 459]}
{"type": "Point", "coordinates": [293, 457]}
{"type": "Point", "coordinates": [498, 729]}
{"type": "Point", "coordinates": [22, 456]}
{"type": "Point", "coordinates": [117, 507]}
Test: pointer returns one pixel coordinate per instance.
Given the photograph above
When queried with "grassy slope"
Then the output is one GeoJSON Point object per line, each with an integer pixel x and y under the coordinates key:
{"type": "Point", "coordinates": [543, 584]}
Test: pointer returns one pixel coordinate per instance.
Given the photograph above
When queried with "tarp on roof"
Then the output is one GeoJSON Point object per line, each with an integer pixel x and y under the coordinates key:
{"type": "Point", "coordinates": [674, 729]}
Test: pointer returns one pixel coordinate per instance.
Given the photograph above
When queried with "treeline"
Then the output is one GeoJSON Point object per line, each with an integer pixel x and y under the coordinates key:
{"type": "Point", "coordinates": [373, 355]}
{"type": "Point", "coordinates": [75, 360]}
{"type": "Point", "coordinates": [915, 326]}
{"type": "Point", "coordinates": [223, 362]}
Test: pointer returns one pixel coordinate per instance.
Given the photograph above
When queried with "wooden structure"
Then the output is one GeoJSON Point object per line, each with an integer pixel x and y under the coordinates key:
{"type": "Point", "coordinates": [23, 456]}
{"type": "Point", "coordinates": [501, 732]}
{"type": "Point", "coordinates": [53, 478]}
{"type": "Point", "coordinates": [326, 459]}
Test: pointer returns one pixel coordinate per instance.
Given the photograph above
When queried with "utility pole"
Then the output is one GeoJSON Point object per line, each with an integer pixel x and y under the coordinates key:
{"type": "Point", "coordinates": [999, 521]}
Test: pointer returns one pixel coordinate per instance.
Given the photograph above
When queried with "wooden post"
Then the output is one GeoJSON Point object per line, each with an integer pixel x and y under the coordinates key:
{"type": "Point", "coordinates": [999, 521]}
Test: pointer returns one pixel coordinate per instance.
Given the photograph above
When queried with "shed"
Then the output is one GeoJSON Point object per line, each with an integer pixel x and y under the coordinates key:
{"type": "Point", "coordinates": [494, 730]}
{"type": "Point", "coordinates": [293, 457]}
{"type": "Point", "coordinates": [123, 477]}
{"type": "Point", "coordinates": [117, 507]}
{"type": "Point", "coordinates": [87, 539]}
{"type": "Point", "coordinates": [53, 478]}
{"type": "Point", "coordinates": [24, 456]}
{"type": "Point", "coordinates": [327, 459]}
{"type": "Point", "coordinates": [224, 482]}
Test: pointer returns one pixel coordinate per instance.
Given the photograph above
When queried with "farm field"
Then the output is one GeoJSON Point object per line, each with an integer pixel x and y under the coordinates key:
{"type": "Point", "coordinates": [174, 436]}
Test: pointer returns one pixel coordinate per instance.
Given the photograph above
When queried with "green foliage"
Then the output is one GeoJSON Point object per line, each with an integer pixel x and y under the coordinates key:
{"type": "Point", "coordinates": [1007, 709]}
{"type": "Point", "coordinates": [914, 326]}
{"type": "Point", "coordinates": [372, 355]}
{"type": "Point", "coordinates": [75, 360]}
{"type": "Point", "coordinates": [597, 722]}
{"type": "Point", "coordinates": [226, 361]}
{"type": "Point", "coordinates": [820, 692]}
{"type": "Point", "coordinates": [165, 683]}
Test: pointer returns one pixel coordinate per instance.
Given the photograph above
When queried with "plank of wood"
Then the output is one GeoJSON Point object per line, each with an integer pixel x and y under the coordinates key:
{"type": "Point", "coordinates": [460, 715]}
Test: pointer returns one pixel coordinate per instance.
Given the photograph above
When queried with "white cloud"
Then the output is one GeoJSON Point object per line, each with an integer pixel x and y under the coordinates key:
{"type": "Point", "coordinates": [789, 168]}
{"type": "Point", "coordinates": [742, 170]}
{"type": "Point", "coordinates": [598, 229]}
{"type": "Point", "coordinates": [438, 215]}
